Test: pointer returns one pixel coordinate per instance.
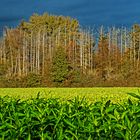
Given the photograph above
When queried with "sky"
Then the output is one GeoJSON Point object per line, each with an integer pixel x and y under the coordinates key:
{"type": "Point", "coordinates": [88, 12]}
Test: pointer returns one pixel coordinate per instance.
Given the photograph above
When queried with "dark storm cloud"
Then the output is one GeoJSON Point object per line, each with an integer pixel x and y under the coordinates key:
{"type": "Point", "coordinates": [88, 12]}
{"type": "Point", "coordinates": [10, 19]}
{"type": "Point", "coordinates": [111, 12]}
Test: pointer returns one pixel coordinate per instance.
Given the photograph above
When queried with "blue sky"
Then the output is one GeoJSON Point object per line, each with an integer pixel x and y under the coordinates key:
{"type": "Point", "coordinates": [88, 12]}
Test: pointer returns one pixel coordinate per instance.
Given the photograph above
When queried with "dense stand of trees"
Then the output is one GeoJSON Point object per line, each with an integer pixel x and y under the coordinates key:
{"type": "Point", "coordinates": [55, 51]}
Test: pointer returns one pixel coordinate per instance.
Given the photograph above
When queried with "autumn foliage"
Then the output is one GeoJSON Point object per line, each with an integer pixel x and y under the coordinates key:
{"type": "Point", "coordinates": [86, 57]}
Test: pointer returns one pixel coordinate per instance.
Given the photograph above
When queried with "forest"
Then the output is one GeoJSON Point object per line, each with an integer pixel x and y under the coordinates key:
{"type": "Point", "coordinates": [56, 51]}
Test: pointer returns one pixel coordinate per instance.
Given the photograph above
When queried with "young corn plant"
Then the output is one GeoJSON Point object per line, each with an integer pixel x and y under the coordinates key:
{"type": "Point", "coordinates": [75, 119]}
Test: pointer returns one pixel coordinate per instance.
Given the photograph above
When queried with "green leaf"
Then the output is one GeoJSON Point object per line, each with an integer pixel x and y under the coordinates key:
{"type": "Point", "coordinates": [69, 124]}
{"type": "Point", "coordinates": [130, 102]}
{"type": "Point", "coordinates": [116, 113]}
{"type": "Point", "coordinates": [127, 122]}
{"type": "Point", "coordinates": [68, 131]}
{"type": "Point", "coordinates": [119, 134]}
{"type": "Point", "coordinates": [134, 95]}
{"type": "Point", "coordinates": [110, 109]}
{"type": "Point", "coordinates": [136, 135]}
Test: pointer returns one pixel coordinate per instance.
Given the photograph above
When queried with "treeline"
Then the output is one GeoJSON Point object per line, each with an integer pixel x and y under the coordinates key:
{"type": "Point", "coordinates": [55, 51]}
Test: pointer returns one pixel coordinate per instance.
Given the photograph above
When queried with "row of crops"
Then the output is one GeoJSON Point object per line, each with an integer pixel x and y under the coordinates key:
{"type": "Point", "coordinates": [91, 94]}
{"type": "Point", "coordinates": [75, 119]}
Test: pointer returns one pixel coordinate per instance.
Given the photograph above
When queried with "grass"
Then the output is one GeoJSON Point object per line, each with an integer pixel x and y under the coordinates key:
{"type": "Point", "coordinates": [115, 94]}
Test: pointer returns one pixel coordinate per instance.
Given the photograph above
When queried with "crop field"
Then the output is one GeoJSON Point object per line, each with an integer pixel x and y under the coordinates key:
{"type": "Point", "coordinates": [115, 94]}
{"type": "Point", "coordinates": [49, 119]}
{"type": "Point", "coordinates": [69, 114]}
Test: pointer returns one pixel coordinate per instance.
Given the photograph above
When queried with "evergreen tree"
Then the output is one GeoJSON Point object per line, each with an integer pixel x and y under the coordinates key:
{"type": "Point", "coordinates": [59, 66]}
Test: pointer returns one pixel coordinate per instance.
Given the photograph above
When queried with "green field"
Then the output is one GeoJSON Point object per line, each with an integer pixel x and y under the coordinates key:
{"type": "Point", "coordinates": [52, 119]}
{"type": "Point", "coordinates": [115, 94]}
{"type": "Point", "coordinates": [46, 118]}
